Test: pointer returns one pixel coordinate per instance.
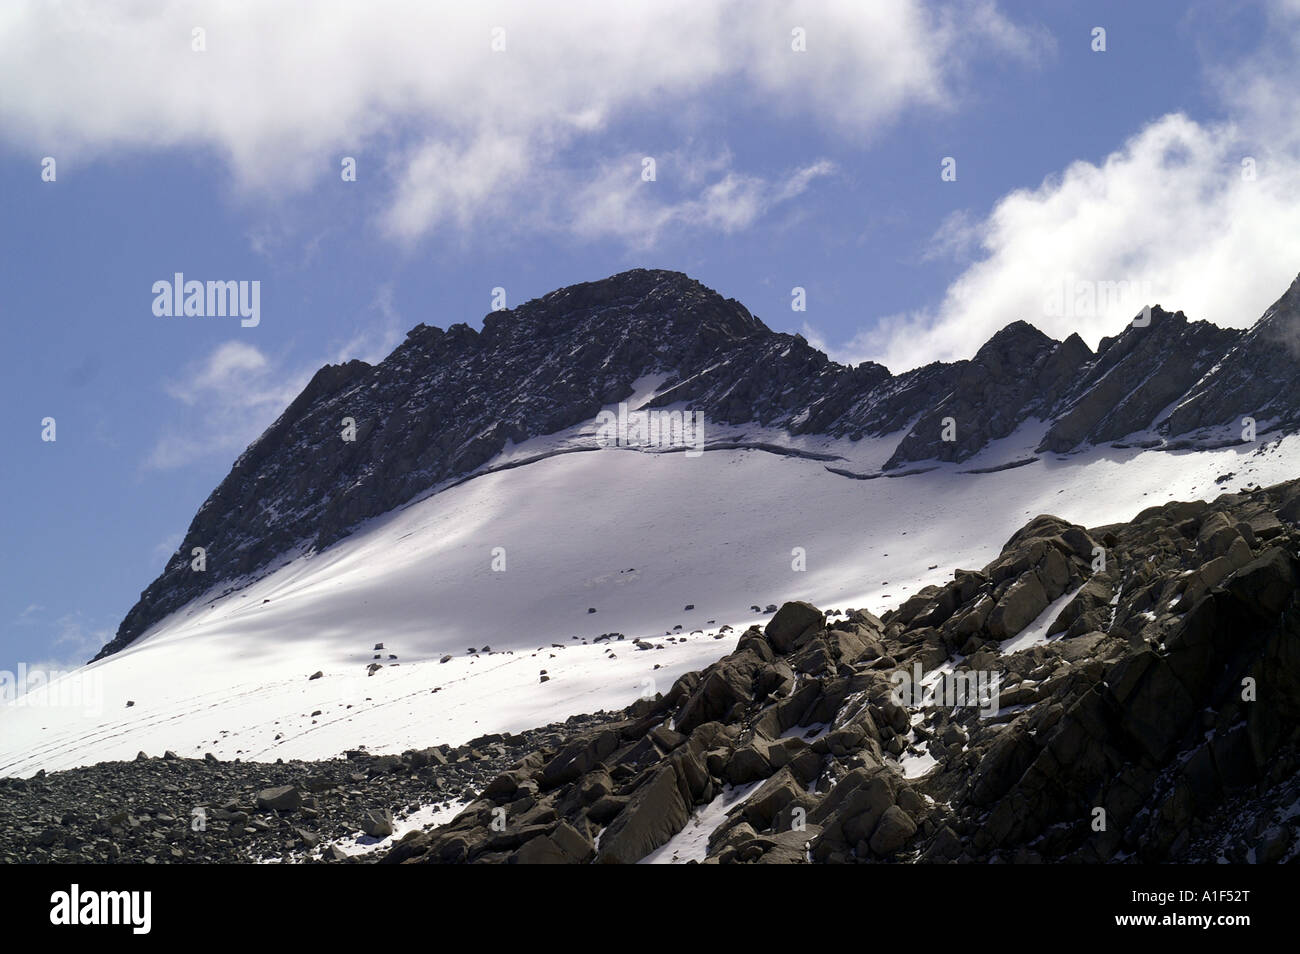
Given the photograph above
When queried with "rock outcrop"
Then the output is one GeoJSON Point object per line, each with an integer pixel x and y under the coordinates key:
{"type": "Point", "coordinates": [446, 402]}
{"type": "Point", "coordinates": [1157, 718]}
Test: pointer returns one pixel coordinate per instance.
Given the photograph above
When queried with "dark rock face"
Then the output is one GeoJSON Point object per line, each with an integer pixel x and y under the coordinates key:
{"type": "Point", "coordinates": [1088, 398]}
{"type": "Point", "coordinates": [1134, 376]}
{"type": "Point", "coordinates": [1019, 371]}
{"type": "Point", "coordinates": [1258, 377]}
{"type": "Point", "coordinates": [444, 403]}
{"type": "Point", "coordinates": [1161, 722]}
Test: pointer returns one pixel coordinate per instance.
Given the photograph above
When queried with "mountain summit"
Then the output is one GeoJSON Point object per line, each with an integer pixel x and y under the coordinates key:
{"type": "Point", "coordinates": [444, 403]}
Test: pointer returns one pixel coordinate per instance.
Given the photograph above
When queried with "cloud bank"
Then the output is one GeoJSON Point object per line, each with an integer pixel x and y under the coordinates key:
{"type": "Point", "coordinates": [1198, 216]}
{"type": "Point", "coordinates": [467, 111]}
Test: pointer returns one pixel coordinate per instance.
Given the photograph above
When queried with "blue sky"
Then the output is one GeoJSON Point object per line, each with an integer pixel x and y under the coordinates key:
{"type": "Point", "coordinates": [521, 168]}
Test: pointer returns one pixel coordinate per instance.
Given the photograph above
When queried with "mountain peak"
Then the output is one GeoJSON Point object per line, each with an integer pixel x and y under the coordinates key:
{"type": "Point", "coordinates": [1018, 341]}
{"type": "Point", "coordinates": [444, 404]}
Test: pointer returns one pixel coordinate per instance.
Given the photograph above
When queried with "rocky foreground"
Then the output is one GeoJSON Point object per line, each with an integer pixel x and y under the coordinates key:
{"type": "Point", "coordinates": [1121, 693]}
{"type": "Point", "coordinates": [1157, 720]}
{"type": "Point", "coordinates": [171, 810]}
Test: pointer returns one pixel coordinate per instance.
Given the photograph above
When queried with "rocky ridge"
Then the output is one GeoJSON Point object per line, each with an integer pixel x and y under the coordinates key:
{"type": "Point", "coordinates": [444, 403]}
{"type": "Point", "coordinates": [1157, 718]}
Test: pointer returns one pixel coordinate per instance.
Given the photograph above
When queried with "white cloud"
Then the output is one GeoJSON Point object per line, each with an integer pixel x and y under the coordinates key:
{"type": "Point", "coordinates": [166, 547]}
{"type": "Point", "coordinates": [1167, 219]}
{"type": "Point", "coordinates": [377, 339]}
{"type": "Point", "coordinates": [617, 203]}
{"type": "Point", "coordinates": [438, 183]}
{"type": "Point", "coordinates": [29, 615]}
{"type": "Point", "coordinates": [74, 640]}
{"type": "Point", "coordinates": [414, 91]}
{"type": "Point", "coordinates": [232, 364]}
{"type": "Point", "coordinates": [233, 394]}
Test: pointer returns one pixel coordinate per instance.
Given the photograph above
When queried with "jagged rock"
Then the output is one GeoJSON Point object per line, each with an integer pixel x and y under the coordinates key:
{"type": "Point", "coordinates": [1019, 606]}
{"type": "Point", "coordinates": [377, 823]}
{"type": "Point", "coordinates": [445, 402]}
{"type": "Point", "coordinates": [734, 681]}
{"type": "Point", "coordinates": [657, 811]}
{"type": "Point", "coordinates": [1088, 611]}
{"type": "Point", "coordinates": [578, 758]}
{"type": "Point", "coordinates": [282, 798]}
{"type": "Point", "coordinates": [792, 623]}
{"type": "Point", "coordinates": [1257, 378]}
{"type": "Point", "coordinates": [893, 831]}
{"type": "Point", "coordinates": [776, 793]}
{"type": "Point", "coordinates": [1134, 376]}
{"type": "Point", "coordinates": [606, 808]}
{"type": "Point", "coordinates": [747, 764]}
{"type": "Point", "coordinates": [988, 396]}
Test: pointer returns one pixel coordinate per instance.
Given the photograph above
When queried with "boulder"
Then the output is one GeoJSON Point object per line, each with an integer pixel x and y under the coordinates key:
{"type": "Point", "coordinates": [1018, 607]}
{"type": "Point", "coordinates": [773, 795]}
{"type": "Point", "coordinates": [657, 811]}
{"type": "Point", "coordinates": [282, 798]}
{"type": "Point", "coordinates": [377, 823]}
{"type": "Point", "coordinates": [892, 831]}
{"type": "Point", "coordinates": [791, 624]}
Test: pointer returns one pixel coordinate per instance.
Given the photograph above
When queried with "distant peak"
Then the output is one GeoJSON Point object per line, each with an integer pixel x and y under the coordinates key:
{"type": "Point", "coordinates": [1016, 338]}
{"type": "Point", "coordinates": [1020, 330]}
{"type": "Point", "coordinates": [635, 282]}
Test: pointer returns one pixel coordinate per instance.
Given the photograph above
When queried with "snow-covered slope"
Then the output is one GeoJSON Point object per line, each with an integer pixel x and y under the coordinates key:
{"type": "Point", "coordinates": [636, 536]}
{"type": "Point", "coordinates": [361, 440]}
